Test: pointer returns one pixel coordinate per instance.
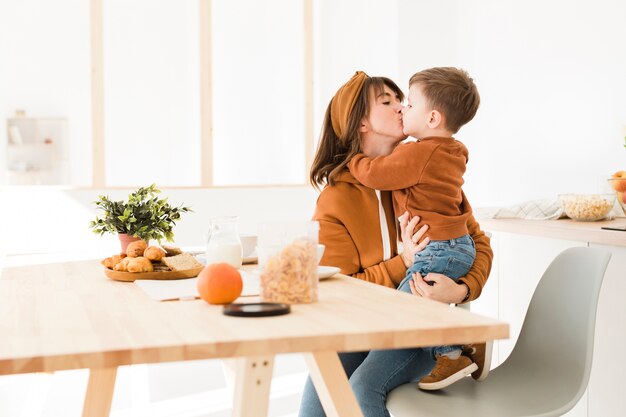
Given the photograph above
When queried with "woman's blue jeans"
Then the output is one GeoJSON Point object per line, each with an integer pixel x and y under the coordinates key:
{"type": "Point", "coordinates": [372, 376]}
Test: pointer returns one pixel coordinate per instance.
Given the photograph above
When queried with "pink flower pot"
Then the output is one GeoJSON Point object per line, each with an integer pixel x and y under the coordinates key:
{"type": "Point", "coordinates": [125, 240]}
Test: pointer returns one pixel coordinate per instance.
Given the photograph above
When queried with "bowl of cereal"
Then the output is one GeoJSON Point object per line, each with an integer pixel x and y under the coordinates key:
{"type": "Point", "coordinates": [587, 207]}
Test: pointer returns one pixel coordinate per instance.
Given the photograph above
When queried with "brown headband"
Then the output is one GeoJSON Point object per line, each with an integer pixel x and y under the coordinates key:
{"type": "Point", "coordinates": [344, 101]}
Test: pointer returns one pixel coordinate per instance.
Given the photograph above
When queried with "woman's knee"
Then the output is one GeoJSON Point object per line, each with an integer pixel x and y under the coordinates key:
{"type": "Point", "coordinates": [367, 386]}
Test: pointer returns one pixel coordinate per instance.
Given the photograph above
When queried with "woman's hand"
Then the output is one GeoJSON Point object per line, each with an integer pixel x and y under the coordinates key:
{"type": "Point", "coordinates": [409, 240]}
{"type": "Point", "coordinates": [444, 289]}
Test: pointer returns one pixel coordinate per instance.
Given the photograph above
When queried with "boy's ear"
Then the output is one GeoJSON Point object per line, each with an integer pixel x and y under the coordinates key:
{"type": "Point", "coordinates": [435, 119]}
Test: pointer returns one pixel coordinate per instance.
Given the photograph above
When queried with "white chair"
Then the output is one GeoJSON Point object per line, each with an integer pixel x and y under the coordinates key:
{"type": "Point", "coordinates": [548, 370]}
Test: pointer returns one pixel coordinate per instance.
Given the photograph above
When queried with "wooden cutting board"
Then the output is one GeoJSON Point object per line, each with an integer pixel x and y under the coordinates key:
{"type": "Point", "coordinates": [132, 276]}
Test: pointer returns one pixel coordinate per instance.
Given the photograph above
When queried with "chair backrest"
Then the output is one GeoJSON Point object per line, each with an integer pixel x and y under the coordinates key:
{"type": "Point", "coordinates": [556, 340]}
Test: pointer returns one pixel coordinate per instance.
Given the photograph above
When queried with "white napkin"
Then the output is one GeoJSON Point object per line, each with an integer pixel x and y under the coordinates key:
{"type": "Point", "coordinates": [185, 289]}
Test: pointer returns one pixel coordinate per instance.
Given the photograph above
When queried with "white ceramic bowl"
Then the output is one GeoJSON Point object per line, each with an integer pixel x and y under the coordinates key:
{"type": "Point", "coordinates": [320, 252]}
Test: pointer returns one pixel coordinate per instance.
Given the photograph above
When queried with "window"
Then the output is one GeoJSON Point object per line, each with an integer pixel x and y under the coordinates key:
{"type": "Point", "coordinates": [151, 92]}
{"type": "Point", "coordinates": [258, 92]}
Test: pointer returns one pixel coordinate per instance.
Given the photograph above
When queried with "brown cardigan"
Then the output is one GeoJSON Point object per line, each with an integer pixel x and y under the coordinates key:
{"type": "Point", "coordinates": [426, 178]}
{"type": "Point", "coordinates": [350, 228]}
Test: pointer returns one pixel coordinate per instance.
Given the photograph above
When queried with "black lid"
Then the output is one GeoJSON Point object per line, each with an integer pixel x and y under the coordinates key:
{"type": "Point", "coordinates": [256, 309]}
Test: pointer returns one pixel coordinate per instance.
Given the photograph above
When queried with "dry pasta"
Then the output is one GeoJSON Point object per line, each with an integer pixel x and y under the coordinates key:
{"type": "Point", "coordinates": [291, 275]}
{"type": "Point", "coordinates": [582, 207]}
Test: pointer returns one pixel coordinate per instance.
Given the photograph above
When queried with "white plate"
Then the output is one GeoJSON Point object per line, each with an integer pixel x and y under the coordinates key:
{"type": "Point", "coordinates": [324, 272]}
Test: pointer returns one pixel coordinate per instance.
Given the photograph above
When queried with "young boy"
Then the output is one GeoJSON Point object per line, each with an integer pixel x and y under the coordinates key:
{"type": "Point", "coordinates": [426, 178]}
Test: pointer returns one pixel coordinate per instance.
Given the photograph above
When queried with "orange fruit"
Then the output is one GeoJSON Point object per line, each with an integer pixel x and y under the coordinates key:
{"type": "Point", "coordinates": [219, 283]}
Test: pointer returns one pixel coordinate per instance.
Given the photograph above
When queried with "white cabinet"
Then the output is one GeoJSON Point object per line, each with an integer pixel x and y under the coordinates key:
{"type": "Point", "coordinates": [519, 262]}
{"type": "Point", "coordinates": [36, 152]}
{"type": "Point", "coordinates": [607, 396]}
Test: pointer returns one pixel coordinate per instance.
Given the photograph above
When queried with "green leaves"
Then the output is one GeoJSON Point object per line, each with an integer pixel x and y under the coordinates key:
{"type": "Point", "coordinates": [143, 215]}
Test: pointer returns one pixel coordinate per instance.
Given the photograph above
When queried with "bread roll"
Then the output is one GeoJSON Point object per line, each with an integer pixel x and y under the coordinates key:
{"type": "Point", "coordinates": [122, 265]}
{"type": "Point", "coordinates": [139, 264]}
{"type": "Point", "coordinates": [154, 253]}
{"type": "Point", "coordinates": [111, 261]}
{"type": "Point", "coordinates": [135, 249]}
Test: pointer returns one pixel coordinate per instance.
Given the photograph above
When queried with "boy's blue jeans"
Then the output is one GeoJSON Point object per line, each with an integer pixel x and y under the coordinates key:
{"type": "Point", "coordinates": [372, 376]}
{"type": "Point", "coordinates": [452, 258]}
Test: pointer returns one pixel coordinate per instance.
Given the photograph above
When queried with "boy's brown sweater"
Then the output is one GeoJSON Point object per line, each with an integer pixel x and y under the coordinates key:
{"type": "Point", "coordinates": [426, 179]}
{"type": "Point", "coordinates": [348, 213]}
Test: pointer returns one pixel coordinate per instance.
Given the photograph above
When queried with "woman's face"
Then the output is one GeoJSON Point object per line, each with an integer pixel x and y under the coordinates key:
{"type": "Point", "coordinates": [382, 129]}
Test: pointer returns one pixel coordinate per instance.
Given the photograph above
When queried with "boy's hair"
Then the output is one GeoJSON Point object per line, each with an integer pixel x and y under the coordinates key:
{"type": "Point", "coordinates": [451, 91]}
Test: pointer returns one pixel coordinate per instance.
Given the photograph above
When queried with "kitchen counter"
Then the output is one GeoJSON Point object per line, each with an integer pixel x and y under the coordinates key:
{"type": "Point", "coordinates": [565, 229]}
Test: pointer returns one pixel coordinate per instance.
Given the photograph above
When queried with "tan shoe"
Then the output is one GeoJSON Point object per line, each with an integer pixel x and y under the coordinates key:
{"type": "Point", "coordinates": [446, 372]}
{"type": "Point", "coordinates": [480, 353]}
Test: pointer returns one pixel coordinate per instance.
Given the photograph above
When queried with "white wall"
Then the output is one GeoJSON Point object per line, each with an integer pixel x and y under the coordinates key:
{"type": "Point", "coordinates": [551, 78]}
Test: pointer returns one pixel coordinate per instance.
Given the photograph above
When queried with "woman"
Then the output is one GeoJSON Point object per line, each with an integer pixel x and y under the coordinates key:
{"type": "Point", "coordinates": [358, 228]}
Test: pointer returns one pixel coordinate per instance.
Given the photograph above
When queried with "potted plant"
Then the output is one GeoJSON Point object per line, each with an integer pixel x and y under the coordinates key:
{"type": "Point", "coordinates": [144, 216]}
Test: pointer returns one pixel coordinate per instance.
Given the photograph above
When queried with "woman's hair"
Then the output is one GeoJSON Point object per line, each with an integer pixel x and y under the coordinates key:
{"type": "Point", "coordinates": [333, 152]}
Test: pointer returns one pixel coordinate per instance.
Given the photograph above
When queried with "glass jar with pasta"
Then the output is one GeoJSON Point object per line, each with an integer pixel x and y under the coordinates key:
{"type": "Point", "coordinates": [288, 262]}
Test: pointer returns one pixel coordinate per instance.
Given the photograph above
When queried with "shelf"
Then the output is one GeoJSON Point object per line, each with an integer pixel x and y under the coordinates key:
{"type": "Point", "coordinates": [31, 172]}
{"type": "Point", "coordinates": [32, 145]}
{"type": "Point", "coordinates": [37, 150]}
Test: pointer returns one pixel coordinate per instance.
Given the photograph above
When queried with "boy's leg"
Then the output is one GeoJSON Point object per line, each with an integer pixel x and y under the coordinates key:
{"type": "Point", "coordinates": [421, 263]}
{"type": "Point", "coordinates": [454, 259]}
{"type": "Point", "coordinates": [451, 351]}
{"type": "Point", "coordinates": [404, 284]}
{"type": "Point", "coordinates": [310, 405]}
{"type": "Point", "coordinates": [384, 370]}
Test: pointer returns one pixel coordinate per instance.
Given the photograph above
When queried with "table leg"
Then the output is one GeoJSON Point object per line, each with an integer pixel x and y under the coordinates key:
{"type": "Point", "coordinates": [252, 385]}
{"type": "Point", "coordinates": [99, 393]}
{"type": "Point", "coordinates": [331, 384]}
{"type": "Point", "coordinates": [229, 366]}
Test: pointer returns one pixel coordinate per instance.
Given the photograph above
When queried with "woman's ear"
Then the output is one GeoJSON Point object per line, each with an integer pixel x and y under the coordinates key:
{"type": "Point", "coordinates": [364, 126]}
{"type": "Point", "coordinates": [435, 119]}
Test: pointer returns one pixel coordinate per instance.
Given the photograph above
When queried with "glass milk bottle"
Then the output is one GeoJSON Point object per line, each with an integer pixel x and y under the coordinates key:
{"type": "Point", "coordinates": [223, 244]}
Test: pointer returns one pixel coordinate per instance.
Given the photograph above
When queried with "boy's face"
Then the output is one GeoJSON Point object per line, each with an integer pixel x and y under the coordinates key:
{"type": "Point", "coordinates": [416, 115]}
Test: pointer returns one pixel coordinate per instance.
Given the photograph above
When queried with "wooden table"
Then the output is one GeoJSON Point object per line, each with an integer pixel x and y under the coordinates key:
{"type": "Point", "coordinates": [69, 315]}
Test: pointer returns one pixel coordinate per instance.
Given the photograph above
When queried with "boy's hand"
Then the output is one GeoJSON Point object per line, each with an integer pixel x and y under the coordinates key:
{"type": "Point", "coordinates": [409, 239]}
{"type": "Point", "coordinates": [438, 287]}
